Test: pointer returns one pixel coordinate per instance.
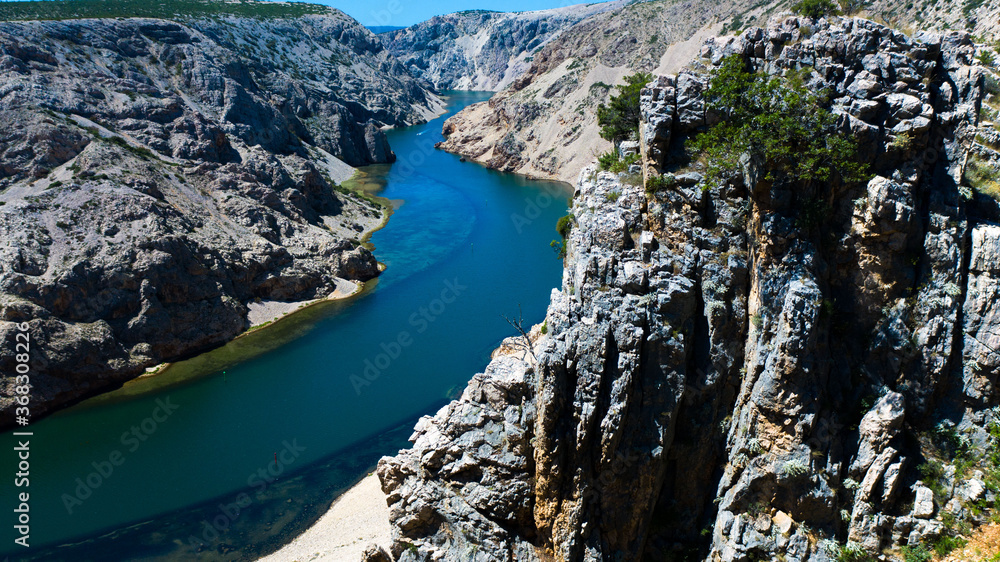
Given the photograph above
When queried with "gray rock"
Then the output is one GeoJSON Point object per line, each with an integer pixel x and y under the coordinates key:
{"type": "Point", "coordinates": [715, 362]}
{"type": "Point", "coordinates": [923, 503]}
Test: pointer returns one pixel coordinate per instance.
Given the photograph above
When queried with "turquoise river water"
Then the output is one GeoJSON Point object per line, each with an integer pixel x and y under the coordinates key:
{"type": "Point", "coordinates": [228, 455]}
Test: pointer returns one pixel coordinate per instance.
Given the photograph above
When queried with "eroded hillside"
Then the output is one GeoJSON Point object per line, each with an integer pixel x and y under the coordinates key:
{"type": "Point", "coordinates": [159, 176]}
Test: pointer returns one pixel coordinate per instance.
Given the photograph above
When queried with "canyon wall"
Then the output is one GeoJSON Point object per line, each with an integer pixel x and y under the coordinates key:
{"type": "Point", "coordinates": [748, 369]}
{"type": "Point", "coordinates": [479, 49]}
{"type": "Point", "coordinates": [544, 124]}
{"type": "Point", "coordinates": [156, 177]}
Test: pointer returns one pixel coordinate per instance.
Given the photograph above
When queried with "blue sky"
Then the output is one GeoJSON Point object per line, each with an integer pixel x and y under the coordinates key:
{"type": "Point", "coordinates": [404, 13]}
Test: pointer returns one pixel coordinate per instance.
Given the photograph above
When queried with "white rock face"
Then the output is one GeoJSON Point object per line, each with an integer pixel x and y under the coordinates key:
{"type": "Point", "coordinates": [923, 503]}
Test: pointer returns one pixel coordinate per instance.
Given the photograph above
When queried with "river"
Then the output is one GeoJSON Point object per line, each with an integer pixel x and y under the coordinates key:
{"type": "Point", "coordinates": [232, 453]}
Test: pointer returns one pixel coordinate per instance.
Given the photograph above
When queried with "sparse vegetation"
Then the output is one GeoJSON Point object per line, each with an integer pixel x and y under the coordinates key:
{"type": "Point", "coordinates": [816, 8]}
{"type": "Point", "coordinates": [794, 468]}
{"type": "Point", "coordinates": [610, 161]}
{"type": "Point", "coordinates": [140, 151]}
{"type": "Point", "coordinates": [563, 226]}
{"type": "Point", "coordinates": [779, 123]}
{"type": "Point", "coordinates": [982, 177]}
{"type": "Point", "coordinates": [659, 183]}
{"type": "Point", "coordinates": [917, 553]}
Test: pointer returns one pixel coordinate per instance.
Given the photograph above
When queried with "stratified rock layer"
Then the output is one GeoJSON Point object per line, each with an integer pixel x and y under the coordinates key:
{"type": "Point", "coordinates": [727, 373]}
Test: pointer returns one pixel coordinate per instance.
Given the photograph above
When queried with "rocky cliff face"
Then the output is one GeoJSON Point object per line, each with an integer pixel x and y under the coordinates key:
{"type": "Point", "coordinates": [748, 370]}
{"type": "Point", "coordinates": [482, 50]}
{"type": "Point", "coordinates": [545, 123]}
{"type": "Point", "coordinates": [157, 176]}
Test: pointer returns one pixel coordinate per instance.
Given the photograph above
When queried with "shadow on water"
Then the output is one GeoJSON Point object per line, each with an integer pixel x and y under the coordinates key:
{"type": "Point", "coordinates": [468, 246]}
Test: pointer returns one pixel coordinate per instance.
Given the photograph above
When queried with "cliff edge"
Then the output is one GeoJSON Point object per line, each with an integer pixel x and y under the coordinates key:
{"type": "Point", "coordinates": [748, 369]}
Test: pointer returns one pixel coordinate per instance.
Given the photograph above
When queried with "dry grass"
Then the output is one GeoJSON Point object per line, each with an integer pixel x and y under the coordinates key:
{"type": "Point", "coordinates": [984, 545]}
{"type": "Point", "coordinates": [983, 178]}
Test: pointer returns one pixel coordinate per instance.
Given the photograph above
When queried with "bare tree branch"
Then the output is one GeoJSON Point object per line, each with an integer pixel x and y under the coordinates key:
{"type": "Point", "coordinates": [518, 324]}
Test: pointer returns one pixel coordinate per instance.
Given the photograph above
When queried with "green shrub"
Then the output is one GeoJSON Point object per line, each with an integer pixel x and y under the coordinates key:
{"type": "Point", "coordinates": [564, 225]}
{"type": "Point", "coordinates": [659, 183]}
{"type": "Point", "coordinates": [779, 123]}
{"type": "Point", "coordinates": [610, 161]}
{"type": "Point", "coordinates": [794, 468]}
{"type": "Point", "coordinates": [607, 160]}
{"type": "Point", "coordinates": [815, 9]}
{"type": "Point", "coordinates": [619, 120]}
{"type": "Point", "coordinates": [948, 543]}
{"type": "Point", "coordinates": [854, 552]}
{"type": "Point", "coordinates": [985, 58]}
{"type": "Point", "coordinates": [916, 554]}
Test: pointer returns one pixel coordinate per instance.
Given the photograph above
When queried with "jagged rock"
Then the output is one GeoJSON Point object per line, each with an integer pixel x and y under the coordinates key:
{"type": "Point", "coordinates": [479, 49]}
{"type": "Point", "coordinates": [375, 553]}
{"type": "Point", "coordinates": [711, 359]}
{"type": "Point", "coordinates": [974, 490]}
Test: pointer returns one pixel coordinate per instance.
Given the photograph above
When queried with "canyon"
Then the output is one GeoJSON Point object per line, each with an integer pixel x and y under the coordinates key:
{"type": "Point", "coordinates": [158, 177]}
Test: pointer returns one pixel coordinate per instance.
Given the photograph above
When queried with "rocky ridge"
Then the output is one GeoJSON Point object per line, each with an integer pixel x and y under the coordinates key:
{"type": "Point", "coordinates": [157, 176]}
{"type": "Point", "coordinates": [479, 49]}
{"type": "Point", "coordinates": [727, 376]}
{"type": "Point", "coordinates": [545, 123]}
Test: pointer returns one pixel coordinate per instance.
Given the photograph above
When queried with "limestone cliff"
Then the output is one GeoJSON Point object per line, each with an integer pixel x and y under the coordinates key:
{"type": "Point", "coordinates": [157, 176]}
{"type": "Point", "coordinates": [545, 123]}
{"type": "Point", "coordinates": [745, 369]}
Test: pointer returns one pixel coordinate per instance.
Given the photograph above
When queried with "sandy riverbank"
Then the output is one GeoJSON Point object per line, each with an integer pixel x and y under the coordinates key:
{"type": "Point", "coordinates": [356, 519]}
{"type": "Point", "coordinates": [265, 312]}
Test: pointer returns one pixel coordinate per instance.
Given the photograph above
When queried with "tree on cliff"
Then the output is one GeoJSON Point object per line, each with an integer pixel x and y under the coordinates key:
{"type": "Point", "coordinates": [619, 120]}
{"type": "Point", "coordinates": [778, 123]}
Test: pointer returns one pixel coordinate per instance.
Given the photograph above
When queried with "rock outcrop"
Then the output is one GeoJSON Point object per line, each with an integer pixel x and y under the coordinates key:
{"type": "Point", "coordinates": [728, 373]}
{"type": "Point", "coordinates": [545, 123]}
{"type": "Point", "coordinates": [157, 176]}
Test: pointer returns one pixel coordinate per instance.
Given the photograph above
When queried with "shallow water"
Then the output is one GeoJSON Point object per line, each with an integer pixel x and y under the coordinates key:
{"type": "Point", "coordinates": [326, 391]}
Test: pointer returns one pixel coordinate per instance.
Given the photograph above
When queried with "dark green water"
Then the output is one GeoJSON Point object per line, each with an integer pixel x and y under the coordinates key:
{"type": "Point", "coordinates": [465, 246]}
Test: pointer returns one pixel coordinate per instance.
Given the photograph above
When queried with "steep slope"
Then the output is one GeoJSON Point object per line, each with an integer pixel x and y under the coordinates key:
{"type": "Point", "coordinates": [479, 49]}
{"type": "Point", "coordinates": [545, 124]}
{"type": "Point", "coordinates": [728, 374]}
{"type": "Point", "coordinates": [158, 176]}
